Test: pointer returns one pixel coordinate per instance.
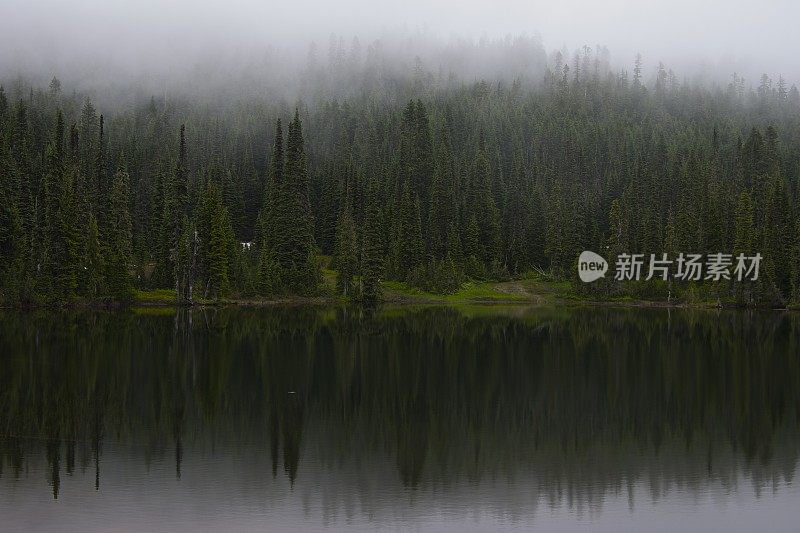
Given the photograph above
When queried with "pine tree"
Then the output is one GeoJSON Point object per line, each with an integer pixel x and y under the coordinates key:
{"type": "Point", "coordinates": [744, 243]}
{"type": "Point", "coordinates": [216, 247]}
{"type": "Point", "coordinates": [331, 200]}
{"type": "Point", "coordinates": [551, 183]}
{"type": "Point", "coordinates": [101, 181]}
{"type": "Point", "coordinates": [795, 251]}
{"type": "Point", "coordinates": [519, 217]}
{"type": "Point", "coordinates": [12, 239]}
{"type": "Point", "coordinates": [411, 246]}
{"type": "Point", "coordinates": [443, 211]}
{"type": "Point", "coordinates": [745, 232]}
{"type": "Point", "coordinates": [485, 208]}
{"type": "Point", "coordinates": [617, 242]}
{"type": "Point", "coordinates": [300, 235]}
{"type": "Point", "coordinates": [472, 250]}
{"type": "Point", "coordinates": [118, 250]}
{"type": "Point", "coordinates": [777, 238]}
{"type": "Point", "coordinates": [637, 72]}
{"type": "Point", "coordinates": [70, 233]}
{"type": "Point", "coordinates": [184, 257]}
{"type": "Point", "coordinates": [21, 186]}
{"type": "Point", "coordinates": [180, 241]}
{"type": "Point", "coordinates": [272, 219]}
{"type": "Point", "coordinates": [268, 273]}
{"type": "Point", "coordinates": [92, 262]}
{"type": "Point", "coordinates": [346, 252]}
{"type": "Point", "coordinates": [372, 251]}
{"type": "Point", "coordinates": [59, 246]}
{"type": "Point", "coordinates": [295, 251]}
{"type": "Point", "coordinates": [422, 159]}
{"type": "Point", "coordinates": [232, 190]}
{"type": "Point", "coordinates": [406, 148]}
{"type": "Point", "coordinates": [220, 245]}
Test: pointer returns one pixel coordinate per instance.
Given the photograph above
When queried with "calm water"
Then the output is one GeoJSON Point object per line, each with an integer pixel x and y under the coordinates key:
{"type": "Point", "coordinates": [432, 419]}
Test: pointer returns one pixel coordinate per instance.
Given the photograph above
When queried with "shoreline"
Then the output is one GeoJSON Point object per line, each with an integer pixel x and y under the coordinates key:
{"type": "Point", "coordinates": [527, 293]}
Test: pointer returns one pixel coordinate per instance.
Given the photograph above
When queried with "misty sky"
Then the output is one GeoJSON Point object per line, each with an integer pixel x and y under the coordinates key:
{"type": "Point", "coordinates": [144, 34]}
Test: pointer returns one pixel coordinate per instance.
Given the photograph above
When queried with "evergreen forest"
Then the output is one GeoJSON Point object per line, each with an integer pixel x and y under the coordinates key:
{"type": "Point", "coordinates": [372, 174]}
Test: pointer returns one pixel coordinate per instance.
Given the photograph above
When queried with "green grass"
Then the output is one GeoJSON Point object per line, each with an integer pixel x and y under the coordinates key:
{"type": "Point", "coordinates": [329, 279]}
{"type": "Point", "coordinates": [469, 292]}
{"type": "Point", "coordinates": [163, 296]}
{"type": "Point", "coordinates": [482, 291]}
{"type": "Point", "coordinates": [533, 290]}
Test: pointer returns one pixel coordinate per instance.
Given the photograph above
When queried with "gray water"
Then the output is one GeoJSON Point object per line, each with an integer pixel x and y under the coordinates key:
{"type": "Point", "coordinates": [431, 419]}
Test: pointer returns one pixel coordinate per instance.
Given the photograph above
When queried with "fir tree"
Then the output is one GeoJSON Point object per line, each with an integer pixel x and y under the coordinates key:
{"type": "Point", "coordinates": [411, 246]}
{"type": "Point", "coordinates": [744, 243]}
{"type": "Point", "coordinates": [118, 238]}
{"type": "Point", "coordinates": [372, 251]}
{"type": "Point", "coordinates": [745, 231]}
{"type": "Point", "coordinates": [221, 243]}
{"type": "Point", "coordinates": [268, 273]}
{"type": "Point", "coordinates": [485, 208]}
{"type": "Point", "coordinates": [422, 159]}
{"type": "Point", "coordinates": [101, 185]}
{"type": "Point", "coordinates": [795, 256]}
{"type": "Point", "coordinates": [553, 176]}
{"type": "Point", "coordinates": [215, 243]}
{"type": "Point", "coordinates": [295, 250]}
{"type": "Point", "coordinates": [272, 218]}
{"type": "Point", "coordinates": [346, 252]}
{"type": "Point", "coordinates": [180, 238]}
{"type": "Point", "coordinates": [443, 212]}
{"type": "Point", "coordinates": [92, 262]}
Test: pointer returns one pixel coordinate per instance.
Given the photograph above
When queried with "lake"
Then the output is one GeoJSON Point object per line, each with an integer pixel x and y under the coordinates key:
{"type": "Point", "coordinates": [431, 419]}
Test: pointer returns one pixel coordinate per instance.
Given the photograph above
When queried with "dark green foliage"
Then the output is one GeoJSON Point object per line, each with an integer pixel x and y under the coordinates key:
{"type": "Point", "coordinates": [440, 276]}
{"type": "Point", "coordinates": [12, 241]}
{"type": "Point", "coordinates": [180, 238]}
{"type": "Point", "coordinates": [269, 281]}
{"type": "Point", "coordinates": [484, 208]}
{"type": "Point", "coordinates": [372, 250]}
{"type": "Point", "coordinates": [744, 240]}
{"type": "Point", "coordinates": [346, 252]}
{"type": "Point", "coordinates": [298, 231]}
{"type": "Point", "coordinates": [744, 243]}
{"type": "Point", "coordinates": [60, 240]}
{"type": "Point", "coordinates": [443, 212]}
{"type": "Point", "coordinates": [465, 181]}
{"type": "Point", "coordinates": [409, 245]}
{"type": "Point", "coordinates": [118, 238]}
{"type": "Point", "coordinates": [286, 220]}
{"type": "Point", "coordinates": [273, 214]}
{"type": "Point", "coordinates": [795, 261]}
{"type": "Point", "coordinates": [220, 248]}
{"type": "Point", "coordinates": [216, 247]}
{"type": "Point", "coordinates": [92, 262]}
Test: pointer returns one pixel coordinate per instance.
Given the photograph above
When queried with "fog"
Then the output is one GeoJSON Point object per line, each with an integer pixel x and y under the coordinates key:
{"type": "Point", "coordinates": [86, 41]}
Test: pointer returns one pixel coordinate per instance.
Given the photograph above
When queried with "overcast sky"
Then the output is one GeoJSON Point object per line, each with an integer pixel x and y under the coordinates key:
{"type": "Point", "coordinates": [751, 35]}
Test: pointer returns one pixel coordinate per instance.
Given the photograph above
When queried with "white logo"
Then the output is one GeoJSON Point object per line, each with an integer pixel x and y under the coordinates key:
{"type": "Point", "coordinates": [591, 267]}
{"type": "Point", "coordinates": [686, 267]}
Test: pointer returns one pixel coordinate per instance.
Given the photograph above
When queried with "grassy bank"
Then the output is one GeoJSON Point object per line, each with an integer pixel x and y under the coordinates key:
{"type": "Point", "coordinates": [523, 291]}
{"type": "Point", "coordinates": [527, 291]}
{"type": "Point", "coordinates": [511, 292]}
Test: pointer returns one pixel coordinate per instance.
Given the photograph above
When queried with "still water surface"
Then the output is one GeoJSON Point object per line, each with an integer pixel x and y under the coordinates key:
{"type": "Point", "coordinates": [434, 419]}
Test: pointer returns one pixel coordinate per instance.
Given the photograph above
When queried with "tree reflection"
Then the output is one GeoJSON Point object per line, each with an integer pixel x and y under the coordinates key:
{"type": "Point", "coordinates": [586, 399]}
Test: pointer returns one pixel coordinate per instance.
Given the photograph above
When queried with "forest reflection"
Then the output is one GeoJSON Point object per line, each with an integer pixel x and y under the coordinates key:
{"type": "Point", "coordinates": [578, 402]}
